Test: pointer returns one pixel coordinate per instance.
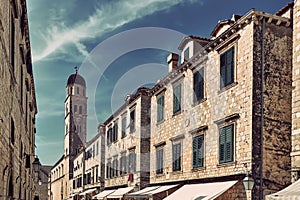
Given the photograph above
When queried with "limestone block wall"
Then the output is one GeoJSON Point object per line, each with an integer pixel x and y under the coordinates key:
{"type": "Point", "coordinates": [277, 62]}
{"type": "Point", "coordinates": [137, 141]}
{"type": "Point", "coordinates": [295, 154]}
{"type": "Point", "coordinates": [17, 103]}
{"type": "Point", "coordinates": [217, 105]}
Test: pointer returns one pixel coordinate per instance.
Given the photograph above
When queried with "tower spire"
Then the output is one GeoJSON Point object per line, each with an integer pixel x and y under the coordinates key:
{"type": "Point", "coordinates": [76, 69]}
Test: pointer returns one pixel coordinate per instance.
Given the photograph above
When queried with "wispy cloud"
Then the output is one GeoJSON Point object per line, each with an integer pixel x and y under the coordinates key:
{"type": "Point", "coordinates": [106, 18]}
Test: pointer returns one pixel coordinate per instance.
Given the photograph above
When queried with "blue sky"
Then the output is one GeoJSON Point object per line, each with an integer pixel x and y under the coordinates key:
{"type": "Point", "coordinates": [115, 40]}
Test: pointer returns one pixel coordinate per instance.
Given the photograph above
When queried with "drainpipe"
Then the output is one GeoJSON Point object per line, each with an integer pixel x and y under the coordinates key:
{"type": "Point", "coordinates": [262, 109]}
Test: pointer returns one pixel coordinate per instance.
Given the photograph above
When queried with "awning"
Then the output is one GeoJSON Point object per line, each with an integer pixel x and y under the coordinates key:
{"type": "Point", "coordinates": [203, 191]}
{"type": "Point", "coordinates": [148, 192]}
{"type": "Point", "coordinates": [88, 191]}
{"type": "Point", "coordinates": [119, 193]}
{"type": "Point", "coordinates": [289, 193]}
{"type": "Point", "coordinates": [103, 194]}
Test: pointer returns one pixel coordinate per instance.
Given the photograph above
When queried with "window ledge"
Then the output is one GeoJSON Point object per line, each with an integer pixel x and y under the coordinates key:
{"type": "Point", "coordinates": [177, 113]}
{"type": "Point", "coordinates": [159, 175]}
{"type": "Point", "coordinates": [177, 172]}
{"type": "Point", "coordinates": [227, 164]}
{"type": "Point", "coordinates": [198, 169]}
{"type": "Point", "coordinates": [160, 122]}
{"type": "Point", "coordinates": [231, 85]}
{"type": "Point", "coordinates": [199, 102]}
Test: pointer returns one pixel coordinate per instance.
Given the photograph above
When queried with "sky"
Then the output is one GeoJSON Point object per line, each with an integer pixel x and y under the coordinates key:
{"type": "Point", "coordinates": [118, 45]}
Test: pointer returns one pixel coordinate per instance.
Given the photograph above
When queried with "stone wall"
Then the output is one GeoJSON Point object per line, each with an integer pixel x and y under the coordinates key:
{"type": "Point", "coordinates": [276, 60]}
{"type": "Point", "coordinates": [17, 103]}
{"type": "Point", "coordinates": [296, 94]}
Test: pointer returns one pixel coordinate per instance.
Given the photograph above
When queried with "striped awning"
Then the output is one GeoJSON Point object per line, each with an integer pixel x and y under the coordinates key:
{"type": "Point", "coordinates": [291, 192]}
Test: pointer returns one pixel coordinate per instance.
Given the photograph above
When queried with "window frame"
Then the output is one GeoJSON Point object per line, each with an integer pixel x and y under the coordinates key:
{"type": "Point", "coordinates": [199, 97]}
{"type": "Point", "coordinates": [196, 152]}
{"type": "Point", "coordinates": [160, 103]}
{"type": "Point", "coordinates": [132, 122]}
{"type": "Point", "coordinates": [177, 99]}
{"type": "Point", "coordinates": [186, 54]}
{"type": "Point", "coordinates": [159, 160]}
{"type": "Point", "coordinates": [225, 158]}
{"type": "Point", "coordinates": [224, 67]}
{"type": "Point", "coordinates": [175, 159]}
{"type": "Point", "coordinates": [123, 126]}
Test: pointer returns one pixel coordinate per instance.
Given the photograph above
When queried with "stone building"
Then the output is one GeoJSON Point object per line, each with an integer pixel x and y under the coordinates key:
{"type": "Point", "coordinates": [127, 140]}
{"type": "Point", "coordinates": [17, 103]}
{"type": "Point", "coordinates": [87, 179]}
{"type": "Point", "coordinates": [295, 154]}
{"type": "Point", "coordinates": [60, 185]}
{"type": "Point", "coordinates": [219, 116]}
{"type": "Point", "coordinates": [41, 176]}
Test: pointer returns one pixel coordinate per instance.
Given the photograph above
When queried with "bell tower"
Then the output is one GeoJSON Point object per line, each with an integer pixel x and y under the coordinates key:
{"type": "Point", "coordinates": [75, 114]}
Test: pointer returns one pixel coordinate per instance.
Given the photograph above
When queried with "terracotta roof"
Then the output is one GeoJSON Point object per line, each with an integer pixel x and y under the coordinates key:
{"type": "Point", "coordinates": [76, 78]}
{"type": "Point", "coordinates": [285, 8]}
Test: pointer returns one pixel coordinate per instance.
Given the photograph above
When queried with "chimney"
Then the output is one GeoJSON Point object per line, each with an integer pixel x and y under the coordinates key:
{"type": "Point", "coordinates": [172, 61]}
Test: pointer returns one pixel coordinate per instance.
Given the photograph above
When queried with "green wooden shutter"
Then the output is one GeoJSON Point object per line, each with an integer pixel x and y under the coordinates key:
{"type": "Point", "coordinates": [222, 145]}
{"type": "Point", "coordinates": [160, 108]}
{"type": "Point", "coordinates": [201, 84]}
{"type": "Point", "coordinates": [229, 143]}
{"type": "Point", "coordinates": [177, 98]}
{"type": "Point", "coordinates": [200, 150]}
{"type": "Point", "coordinates": [223, 71]}
{"type": "Point", "coordinates": [195, 152]}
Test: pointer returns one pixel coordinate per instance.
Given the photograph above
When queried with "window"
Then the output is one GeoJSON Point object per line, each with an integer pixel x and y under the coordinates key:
{"type": "Point", "coordinates": [176, 148]}
{"type": "Point", "coordinates": [186, 54]}
{"type": "Point", "coordinates": [123, 164]}
{"type": "Point", "coordinates": [77, 90]}
{"type": "Point", "coordinates": [80, 109]}
{"type": "Point", "coordinates": [198, 151]}
{"type": "Point", "coordinates": [97, 174]}
{"type": "Point", "coordinates": [177, 98]}
{"type": "Point", "coordinates": [109, 136]}
{"type": "Point", "coordinates": [227, 68]}
{"type": "Point", "coordinates": [75, 108]}
{"type": "Point", "coordinates": [115, 132]}
{"type": "Point", "coordinates": [132, 162]}
{"type": "Point", "coordinates": [124, 127]}
{"type": "Point", "coordinates": [160, 108]}
{"type": "Point", "coordinates": [114, 168]}
{"type": "Point", "coordinates": [226, 144]}
{"type": "Point", "coordinates": [12, 131]}
{"type": "Point", "coordinates": [199, 85]}
{"type": "Point", "coordinates": [108, 169]}
{"type": "Point", "coordinates": [132, 121]}
{"type": "Point", "coordinates": [159, 161]}
{"type": "Point", "coordinates": [97, 148]}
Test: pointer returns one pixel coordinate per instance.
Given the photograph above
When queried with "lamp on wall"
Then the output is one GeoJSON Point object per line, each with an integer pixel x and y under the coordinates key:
{"type": "Point", "coordinates": [248, 182]}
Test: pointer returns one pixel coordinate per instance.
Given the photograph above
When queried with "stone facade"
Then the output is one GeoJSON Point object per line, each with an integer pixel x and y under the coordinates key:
{"type": "Point", "coordinates": [295, 154]}
{"type": "Point", "coordinates": [130, 123]}
{"type": "Point", "coordinates": [237, 105]}
{"type": "Point", "coordinates": [41, 177]}
{"type": "Point", "coordinates": [17, 103]}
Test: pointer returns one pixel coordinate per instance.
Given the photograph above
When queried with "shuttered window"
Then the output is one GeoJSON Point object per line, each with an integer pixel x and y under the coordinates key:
{"type": "Point", "coordinates": [159, 161]}
{"type": "Point", "coordinates": [115, 132]}
{"type": "Point", "coordinates": [199, 85]}
{"type": "Point", "coordinates": [132, 121]}
{"type": "Point", "coordinates": [124, 127]}
{"type": "Point", "coordinates": [198, 151]}
{"type": "Point", "coordinates": [176, 157]}
{"type": "Point", "coordinates": [123, 164]}
{"type": "Point", "coordinates": [132, 162]}
{"type": "Point", "coordinates": [177, 98]}
{"type": "Point", "coordinates": [227, 68]}
{"type": "Point", "coordinates": [160, 108]}
{"type": "Point", "coordinates": [226, 144]}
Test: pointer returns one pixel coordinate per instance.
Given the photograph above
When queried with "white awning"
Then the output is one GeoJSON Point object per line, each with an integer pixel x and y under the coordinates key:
{"type": "Point", "coordinates": [148, 192]}
{"type": "Point", "coordinates": [204, 191]}
{"type": "Point", "coordinates": [119, 193]}
{"type": "Point", "coordinates": [88, 191]}
{"type": "Point", "coordinates": [103, 194]}
{"type": "Point", "coordinates": [291, 192]}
